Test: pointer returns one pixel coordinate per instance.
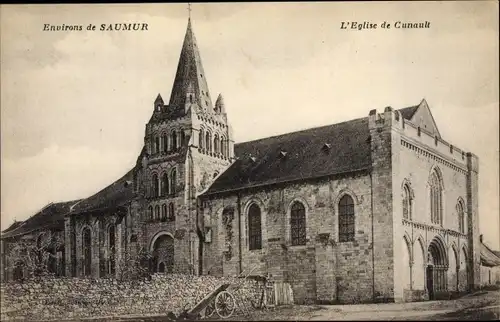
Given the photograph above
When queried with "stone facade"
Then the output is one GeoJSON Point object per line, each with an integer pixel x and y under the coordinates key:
{"type": "Point", "coordinates": [388, 259]}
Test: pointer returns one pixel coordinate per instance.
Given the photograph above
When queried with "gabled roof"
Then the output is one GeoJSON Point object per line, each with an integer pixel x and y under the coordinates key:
{"type": "Point", "coordinates": [51, 216]}
{"type": "Point", "coordinates": [298, 155]}
{"type": "Point", "coordinates": [489, 257]}
{"type": "Point", "coordinates": [110, 198]}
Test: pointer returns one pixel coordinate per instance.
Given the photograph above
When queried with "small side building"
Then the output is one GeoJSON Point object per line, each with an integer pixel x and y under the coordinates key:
{"type": "Point", "coordinates": [490, 265]}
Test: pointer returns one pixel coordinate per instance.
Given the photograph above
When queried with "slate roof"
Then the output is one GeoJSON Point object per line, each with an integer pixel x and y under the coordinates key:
{"type": "Point", "coordinates": [14, 225]}
{"type": "Point", "coordinates": [261, 162]}
{"type": "Point", "coordinates": [190, 76]}
{"type": "Point", "coordinates": [110, 198]}
{"type": "Point", "coordinates": [408, 112]}
{"type": "Point", "coordinates": [51, 216]}
{"type": "Point", "coordinates": [489, 257]}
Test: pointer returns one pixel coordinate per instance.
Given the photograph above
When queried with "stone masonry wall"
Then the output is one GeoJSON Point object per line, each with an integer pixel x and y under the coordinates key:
{"type": "Point", "coordinates": [75, 298]}
{"type": "Point", "coordinates": [383, 229]}
{"type": "Point", "coordinates": [349, 264]}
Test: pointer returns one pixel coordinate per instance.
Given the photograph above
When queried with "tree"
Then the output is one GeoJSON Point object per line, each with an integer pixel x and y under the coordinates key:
{"type": "Point", "coordinates": [134, 267]}
{"type": "Point", "coordinates": [30, 258]}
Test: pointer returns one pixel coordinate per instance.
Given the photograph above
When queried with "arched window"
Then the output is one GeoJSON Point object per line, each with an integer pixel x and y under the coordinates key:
{"type": "Point", "coordinates": [164, 212]}
{"type": "Point", "coordinates": [407, 203]}
{"type": "Point", "coordinates": [156, 185]}
{"type": "Point", "coordinates": [40, 248]}
{"type": "Point", "coordinates": [346, 219]}
{"type": "Point", "coordinates": [18, 271]}
{"type": "Point", "coordinates": [150, 213]}
{"type": "Point", "coordinates": [435, 195]}
{"type": "Point", "coordinates": [222, 147]}
{"type": "Point", "coordinates": [111, 249]}
{"type": "Point", "coordinates": [174, 140]}
{"type": "Point", "coordinates": [165, 142]}
{"type": "Point", "coordinates": [157, 144]}
{"type": "Point", "coordinates": [86, 251]}
{"type": "Point", "coordinates": [173, 181]}
{"type": "Point", "coordinates": [164, 184]}
{"type": "Point", "coordinates": [157, 212]}
{"type": "Point", "coordinates": [171, 212]}
{"type": "Point", "coordinates": [216, 143]}
{"type": "Point", "coordinates": [298, 224]}
{"type": "Point", "coordinates": [183, 138]}
{"type": "Point", "coordinates": [461, 217]}
{"type": "Point", "coordinates": [207, 142]}
{"type": "Point", "coordinates": [161, 267]}
{"type": "Point", "coordinates": [200, 139]}
{"type": "Point", "coordinates": [254, 228]}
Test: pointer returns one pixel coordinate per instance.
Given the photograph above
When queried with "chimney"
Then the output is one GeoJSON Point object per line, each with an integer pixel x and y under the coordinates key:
{"type": "Point", "coordinates": [481, 238]}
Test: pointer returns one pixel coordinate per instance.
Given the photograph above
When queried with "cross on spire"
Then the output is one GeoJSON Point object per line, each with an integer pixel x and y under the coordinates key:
{"type": "Point", "coordinates": [189, 10]}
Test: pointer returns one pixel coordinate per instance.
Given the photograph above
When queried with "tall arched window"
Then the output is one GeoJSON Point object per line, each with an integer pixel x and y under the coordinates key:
{"type": "Point", "coordinates": [174, 140]}
{"type": "Point", "coordinates": [173, 181]}
{"type": "Point", "coordinates": [18, 271]}
{"type": "Point", "coordinates": [346, 219]}
{"type": "Point", "coordinates": [222, 147]}
{"type": "Point", "coordinates": [165, 142]}
{"type": "Point", "coordinates": [171, 212]}
{"type": "Point", "coordinates": [201, 138]}
{"type": "Point", "coordinates": [461, 217]}
{"type": "Point", "coordinates": [407, 203]}
{"type": "Point", "coordinates": [40, 248]}
{"type": "Point", "coordinates": [157, 212]}
{"type": "Point", "coordinates": [164, 212]}
{"type": "Point", "coordinates": [254, 228]}
{"type": "Point", "coordinates": [298, 224]}
{"type": "Point", "coordinates": [216, 143]}
{"type": "Point", "coordinates": [156, 185]}
{"type": "Point", "coordinates": [111, 249]}
{"type": "Point", "coordinates": [164, 184]}
{"type": "Point", "coordinates": [150, 213]}
{"type": "Point", "coordinates": [86, 251]}
{"type": "Point", "coordinates": [435, 195]}
{"type": "Point", "coordinates": [183, 138]}
{"type": "Point", "coordinates": [157, 144]}
{"type": "Point", "coordinates": [207, 142]}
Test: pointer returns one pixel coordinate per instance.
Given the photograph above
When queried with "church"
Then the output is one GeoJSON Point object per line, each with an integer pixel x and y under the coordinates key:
{"type": "Point", "coordinates": [376, 209]}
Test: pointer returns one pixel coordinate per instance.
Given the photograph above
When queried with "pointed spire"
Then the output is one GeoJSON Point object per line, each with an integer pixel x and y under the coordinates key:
{"type": "Point", "coordinates": [190, 73]}
{"type": "Point", "coordinates": [158, 103]}
{"type": "Point", "coordinates": [219, 104]}
{"type": "Point", "coordinates": [159, 99]}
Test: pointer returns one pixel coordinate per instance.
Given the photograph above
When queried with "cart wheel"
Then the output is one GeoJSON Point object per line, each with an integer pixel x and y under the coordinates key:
{"type": "Point", "coordinates": [225, 304]}
{"type": "Point", "coordinates": [210, 309]}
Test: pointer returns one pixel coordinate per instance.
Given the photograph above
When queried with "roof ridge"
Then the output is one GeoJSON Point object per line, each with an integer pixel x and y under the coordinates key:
{"type": "Point", "coordinates": [303, 130]}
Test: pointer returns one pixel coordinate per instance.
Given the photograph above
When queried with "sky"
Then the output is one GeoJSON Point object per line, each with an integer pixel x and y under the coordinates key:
{"type": "Point", "coordinates": [74, 104]}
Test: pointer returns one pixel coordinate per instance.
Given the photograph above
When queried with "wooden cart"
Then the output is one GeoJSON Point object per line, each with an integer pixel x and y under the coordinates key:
{"type": "Point", "coordinates": [223, 300]}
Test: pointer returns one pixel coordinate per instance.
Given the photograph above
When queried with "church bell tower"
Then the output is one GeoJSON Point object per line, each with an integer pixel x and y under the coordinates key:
{"type": "Point", "coordinates": [187, 143]}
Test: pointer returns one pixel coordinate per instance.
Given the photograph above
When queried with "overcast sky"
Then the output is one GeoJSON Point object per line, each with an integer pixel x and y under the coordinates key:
{"type": "Point", "coordinates": [74, 103]}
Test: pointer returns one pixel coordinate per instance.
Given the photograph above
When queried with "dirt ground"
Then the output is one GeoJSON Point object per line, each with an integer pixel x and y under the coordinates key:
{"type": "Point", "coordinates": [480, 305]}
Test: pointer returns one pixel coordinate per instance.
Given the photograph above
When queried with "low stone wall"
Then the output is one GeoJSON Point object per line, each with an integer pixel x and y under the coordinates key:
{"type": "Point", "coordinates": [63, 298]}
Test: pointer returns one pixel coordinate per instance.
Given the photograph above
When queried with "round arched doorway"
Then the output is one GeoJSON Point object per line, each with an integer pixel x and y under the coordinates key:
{"type": "Point", "coordinates": [162, 248]}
